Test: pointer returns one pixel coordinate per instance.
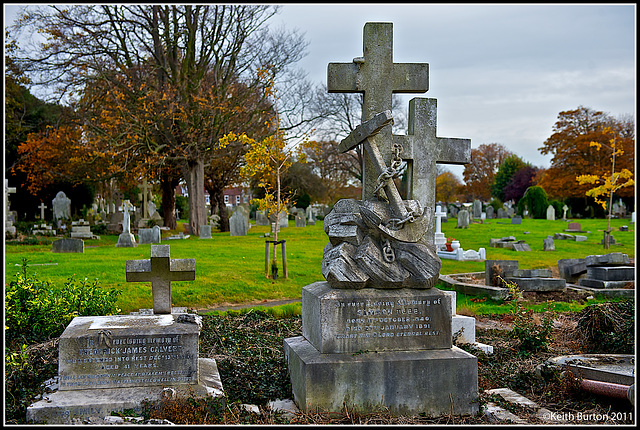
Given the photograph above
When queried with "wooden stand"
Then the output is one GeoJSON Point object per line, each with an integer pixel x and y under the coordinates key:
{"type": "Point", "coordinates": [267, 254]}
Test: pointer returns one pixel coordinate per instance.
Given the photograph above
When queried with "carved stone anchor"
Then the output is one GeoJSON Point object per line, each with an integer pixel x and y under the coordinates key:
{"type": "Point", "coordinates": [406, 226]}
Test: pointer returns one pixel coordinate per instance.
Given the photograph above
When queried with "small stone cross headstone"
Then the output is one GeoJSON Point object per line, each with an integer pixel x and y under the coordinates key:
{"type": "Point", "coordinates": [161, 270]}
{"type": "Point", "coordinates": [565, 208]}
{"type": "Point", "coordinates": [440, 240]}
{"type": "Point", "coordinates": [42, 207]}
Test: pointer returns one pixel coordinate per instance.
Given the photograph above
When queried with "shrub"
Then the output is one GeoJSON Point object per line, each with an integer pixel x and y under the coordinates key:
{"type": "Point", "coordinates": [36, 310]}
{"type": "Point", "coordinates": [607, 327]}
{"type": "Point", "coordinates": [533, 333]}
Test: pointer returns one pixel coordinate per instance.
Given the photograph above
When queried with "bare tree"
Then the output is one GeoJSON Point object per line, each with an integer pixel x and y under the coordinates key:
{"type": "Point", "coordinates": [186, 60]}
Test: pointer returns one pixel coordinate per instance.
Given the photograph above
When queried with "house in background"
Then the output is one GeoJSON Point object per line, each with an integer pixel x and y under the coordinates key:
{"type": "Point", "coordinates": [235, 196]}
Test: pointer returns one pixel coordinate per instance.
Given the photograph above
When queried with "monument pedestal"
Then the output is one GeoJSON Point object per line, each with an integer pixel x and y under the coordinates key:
{"type": "Point", "coordinates": [114, 363]}
{"type": "Point", "coordinates": [371, 347]}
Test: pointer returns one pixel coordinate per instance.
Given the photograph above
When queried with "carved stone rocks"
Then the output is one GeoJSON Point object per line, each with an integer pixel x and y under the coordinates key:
{"type": "Point", "coordinates": [361, 254]}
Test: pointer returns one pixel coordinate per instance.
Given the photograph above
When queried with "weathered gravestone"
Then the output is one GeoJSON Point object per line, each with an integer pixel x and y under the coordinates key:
{"type": "Point", "coordinates": [9, 228]}
{"type": "Point", "coordinates": [551, 213]}
{"type": "Point", "coordinates": [548, 244]}
{"type": "Point", "coordinates": [205, 231]}
{"type": "Point", "coordinates": [502, 213]}
{"type": "Point", "coordinates": [113, 363]}
{"type": "Point", "coordinates": [82, 229]}
{"type": "Point", "coordinates": [490, 212]}
{"type": "Point", "coordinates": [608, 271]}
{"type": "Point", "coordinates": [463, 219]}
{"type": "Point", "coordinates": [380, 265]}
{"type": "Point", "coordinates": [261, 218]}
{"type": "Point", "coordinates": [565, 208]}
{"type": "Point", "coordinates": [149, 235]}
{"type": "Point", "coordinates": [237, 224]}
{"type": "Point", "coordinates": [126, 238]}
{"type": "Point", "coordinates": [311, 219]}
{"type": "Point", "coordinates": [301, 220]}
{"type": "Point", "coordinates": [68, 245]}
{"type": "Point", "coordinates": [61, 207]}
{"type": "Point", "coordinates": [477, 209]}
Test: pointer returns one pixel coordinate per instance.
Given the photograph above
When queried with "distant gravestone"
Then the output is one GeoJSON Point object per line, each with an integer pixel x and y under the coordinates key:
{"type": "Point", "coordinates": [490, 212]}
{"type": "Point", "coordinates": [516, 220]}
{"type": "Point", "coordinates": [463, 219]}
{"type": "Point", "coordinates": [261, 218]}
{"type": "Point", "coordinates": [126, 239]}
{"type": "Point", "coordinates": [565, 208]}
{"type": "Point", "coordinates": [311, 218]}
{"type": "Point", "coordinates": [42, 207]}
{"type": "Point", "coordinates": [68, 245]}
{"type": "Point", "coordinates": [574, 226]}
{"type": "Point", "coordinates": [237, 224]}
{"type": "Point", "coordinates": [61, 207]}
{"type": "Point", "coordinates": [549, 244]}
{"type": "Point", "coordinates": [301, 220]}
{"type": "Point", "coordinates": [205, 232]}
{"type": "Point", "coordinates": [149, 235]}
{"type": "Point", "coordinates": [502, 213]}
{"type": "Point", "coordinates": [551, 213]}
{"type": "Point", "coordinates": [477, 209]}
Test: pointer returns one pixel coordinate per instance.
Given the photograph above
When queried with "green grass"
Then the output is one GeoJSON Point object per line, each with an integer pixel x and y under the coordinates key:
{"type": "Point", "coordinates": [230, 270]}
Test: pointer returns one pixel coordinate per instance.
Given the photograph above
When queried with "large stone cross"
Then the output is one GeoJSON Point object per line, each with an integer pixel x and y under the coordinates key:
{"type": "Point", "coordinates": [160, 270]}
{"type": "Point", "coordinates": [378, 77]}
{"type": "Point", "coordinates": [422, 150]}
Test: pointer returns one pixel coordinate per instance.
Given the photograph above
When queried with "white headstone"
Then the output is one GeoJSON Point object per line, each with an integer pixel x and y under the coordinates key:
{"type": "Point", "coordinates": [551, 213]}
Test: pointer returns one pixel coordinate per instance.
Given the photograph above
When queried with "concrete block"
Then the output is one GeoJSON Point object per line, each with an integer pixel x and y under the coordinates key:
{"type": "Point", "coordinates": [611, 273]}
{"type": "Point", "coordinates": [539, 284]}
{"type": "Point", "coordinates": [434, 382]}
{"type": "Point", "coordinates": [612, 259]}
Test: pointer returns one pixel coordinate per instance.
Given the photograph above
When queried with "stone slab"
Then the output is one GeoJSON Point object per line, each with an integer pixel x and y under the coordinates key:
{"type": "Point", "coordinates": [539, 284]}
{"type": "Point", "coordinates": [612, 259]}
{"type": "Point", "coordinates": [506, 266]}
{"type": "Point", "coordinates": [611, 273]}
{"type": "Point", "coordinates": [434, 382]}
{"type": "Point", "coordinates": [607, 292]}
{"type": "Point", "coordinates": [597, 283]}
{"type": "Point", "coordinates": [571, 268]}
{"type": "Point", "coordinates": [349, 320]}
{"type": "Point", "coordinates": [611, 368]}
{"type": "Point", "coordinates": [61, 407]}
{"type": "Point", "coordinates": [533, 273]}
{"type": "Point", "coordinates": [68, 245]}
{"type": "Point", "coordinates": [127, 351]}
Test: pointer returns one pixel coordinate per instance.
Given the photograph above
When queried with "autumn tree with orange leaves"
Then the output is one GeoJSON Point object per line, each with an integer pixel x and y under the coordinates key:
{"type": "Point", "coordinates": [480, 172]}
{"type": "Point", "coordinates": [574, 155]}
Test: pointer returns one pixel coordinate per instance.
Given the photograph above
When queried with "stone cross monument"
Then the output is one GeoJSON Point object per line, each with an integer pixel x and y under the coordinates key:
{"type": "Point", "coordinates": [42, 207]}
{"type": "Point", "coordinates": [8, 221]}
{"type": "Point", "coordinates": [160, 270]}
{"type": "Point", "coordinates": [381, 265]}
{"type": "Point", "coordinates": [377, 76]}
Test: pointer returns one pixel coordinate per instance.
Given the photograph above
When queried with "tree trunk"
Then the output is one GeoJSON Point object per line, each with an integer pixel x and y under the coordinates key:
{"type": "Point", "coordinates": [222, 211]}
{"type": "Point", "coordinates": [168, 185]}
{"type": "Point", "coordinates": [194, 175]}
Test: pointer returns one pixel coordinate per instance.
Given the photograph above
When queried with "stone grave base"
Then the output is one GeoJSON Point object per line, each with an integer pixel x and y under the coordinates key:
{"type": "Point", "coordinates": [539, 284]}
{"type": "Point", "coordinates": [433, 382]}
{"type": "Point", "coordinates": [61, 407]}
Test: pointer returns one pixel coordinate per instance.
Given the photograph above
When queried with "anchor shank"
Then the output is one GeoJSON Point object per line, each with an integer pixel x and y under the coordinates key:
{"type": "Point", "coordinates": [390, 189]}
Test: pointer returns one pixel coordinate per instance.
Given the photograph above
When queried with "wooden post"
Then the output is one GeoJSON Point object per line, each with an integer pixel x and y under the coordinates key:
{"type": "Point", "coordinates": [266, 258]}
{"type": "Point", "coordinates": [284, 258]}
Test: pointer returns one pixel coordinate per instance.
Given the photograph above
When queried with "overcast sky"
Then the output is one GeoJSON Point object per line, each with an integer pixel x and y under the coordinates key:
{"type": "Point", "coordinates": [500, 73]}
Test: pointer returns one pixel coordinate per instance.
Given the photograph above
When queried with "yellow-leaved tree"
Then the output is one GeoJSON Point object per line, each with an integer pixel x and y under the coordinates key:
{"type": "Point", "coordinates": [268, 160]}
{"type": "Point", "coordinates": [608, 184]}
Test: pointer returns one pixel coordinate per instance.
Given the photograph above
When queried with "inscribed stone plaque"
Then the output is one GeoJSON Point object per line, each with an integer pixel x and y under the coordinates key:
{"type": "Point", "coordinates": [339, 320]}
{"type": "Point", "coordinates": [127, 351]}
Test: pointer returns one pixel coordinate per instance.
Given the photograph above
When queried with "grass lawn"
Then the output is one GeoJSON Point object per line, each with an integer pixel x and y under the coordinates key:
{"type": "Point", "coordinates": [230, 270]}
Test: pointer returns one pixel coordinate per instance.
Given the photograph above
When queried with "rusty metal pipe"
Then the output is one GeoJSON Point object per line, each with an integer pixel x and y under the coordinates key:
{"type": "Point", "coordinates": [617, 391]}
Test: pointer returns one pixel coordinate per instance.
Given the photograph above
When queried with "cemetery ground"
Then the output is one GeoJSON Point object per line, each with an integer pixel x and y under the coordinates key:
{"type": "Point", "coordinates": [248, 344]}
